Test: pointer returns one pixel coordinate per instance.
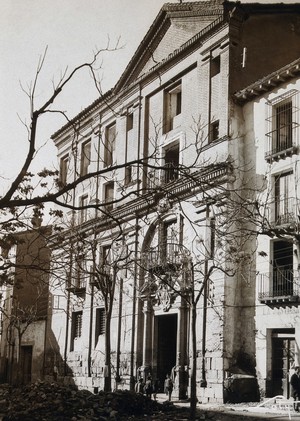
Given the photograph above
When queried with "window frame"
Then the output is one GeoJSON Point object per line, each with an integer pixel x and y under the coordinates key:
{"type": "Point", "coordinates": [83, 212]}
{"type": "Point", "coordinates": [100, 321]}
{"type": "Point", "coordinates": [76, 327]}
{"type": "Point", "coordinates": [85, 159]}
{"type": "Point", "coordinates": [109, 144]}
{"type": "Point", "coordinates": [172, 105]}
{"type": "Point", "coordinates": [281, 138]}
{"type": "Point", "coordinates": [171, 153]}
{"type": "Point", "coordinates": [107, 198]}
{"type": "Point", "coordinates": [284, 211]}
{"type": "Point", "coordinates": [63, 169]}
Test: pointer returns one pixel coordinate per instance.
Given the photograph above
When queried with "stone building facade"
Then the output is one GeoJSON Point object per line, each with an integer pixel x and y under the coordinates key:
{"type": "Point", "coordinates": [273, 104]}
{"type": "Point", "coordinates": [161, 226]}
{"type": "Point", "coordinates": [25, 346]}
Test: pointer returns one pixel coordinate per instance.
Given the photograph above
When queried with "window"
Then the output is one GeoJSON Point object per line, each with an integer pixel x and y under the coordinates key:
{"type": "Point", "coordinates": [105, 261]}
{"type": "Point", "coordinates": [59, 302]}
{"type": "Point", "coordinates": [214, 131]}
{"type": "Point", "coordinates": [76, 328]}
{"type": "Point", "coordinates": [100, 323]}
{"type": "Point", "coordinates": [105, 255]}
{"type": "Point", "coordinates": [169, 240]}
{"type": "Point", "coordinates": [129, 122]}
{"type": "Point", "coordinates": [80, 273]}
{"type": "Point", "coordinates": [131, 148]}
{"type": "Point", "coordinates": [282, 126]}
{"type": "Point", "coordinates": [215, 66]}
{"type": "Point", "coordinates": [85, 158]}
{"type": "Point", "coordinates": [212, 239]}
{"type": "Point", "coordinates": [109, 195]}
{"type": "Point", "coordinates": [109, 145]}
{"type": "Point", "coordinates": [172, 107]}
{"type": "Point", "coordinates": [128, 175]}
{"type": "Point", "coordinates": [284, 198]}
{"type": "Point", "coordinates": [282, 268]}
{"type": "Point", "coordinates": [83, 202]}
{"type": "Point", "coordinates": [171, 164]}
{"type": "Point", "coordinates": [63, 170]}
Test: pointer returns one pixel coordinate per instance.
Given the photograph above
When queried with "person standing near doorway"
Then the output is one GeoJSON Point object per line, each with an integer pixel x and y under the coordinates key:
{"type": "Point", "coordinates": [168, 387]}
{"type": "Point", "coordinates": [148, 387]}
{"type": "Point", "coordinates": [295, 383]}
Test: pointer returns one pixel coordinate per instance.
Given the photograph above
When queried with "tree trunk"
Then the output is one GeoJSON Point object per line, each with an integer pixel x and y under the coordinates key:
{"type": "Point", "coordinates": [107, 368]}
{"type": "Point", "coordinates": [193, 402]}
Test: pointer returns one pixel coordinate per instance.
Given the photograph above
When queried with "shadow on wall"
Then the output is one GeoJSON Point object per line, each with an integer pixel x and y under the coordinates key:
{"type": "Point", "coordinates": [241, 385]}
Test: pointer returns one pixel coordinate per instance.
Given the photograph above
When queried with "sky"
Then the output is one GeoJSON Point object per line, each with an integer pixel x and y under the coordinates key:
{"type": "Point", "coordinates": [71, 30]}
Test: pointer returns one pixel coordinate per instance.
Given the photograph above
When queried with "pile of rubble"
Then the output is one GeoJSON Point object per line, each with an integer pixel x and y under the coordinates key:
{"type": "Point", "coordinates": [54, 402]}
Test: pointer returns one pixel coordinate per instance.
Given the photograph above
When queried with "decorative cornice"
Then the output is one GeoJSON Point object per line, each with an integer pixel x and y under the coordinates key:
{"type": "Point", "coordinates": [268, 83]}
{"type": "Point", "coordinates": [182, 188]}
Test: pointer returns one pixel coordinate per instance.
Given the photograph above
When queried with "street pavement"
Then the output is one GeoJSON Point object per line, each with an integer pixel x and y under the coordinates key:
{"type": "Point", "coordinates": [237, 412]}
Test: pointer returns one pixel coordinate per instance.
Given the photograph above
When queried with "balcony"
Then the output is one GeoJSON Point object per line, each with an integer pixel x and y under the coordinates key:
{"type": "Point", "coordinates": [283, 214]}
{"type": "Point", "coordinates": [167, 257]}
{"type": "Point", "coordinates": [280, 288]}
{"type": "Point", "coordinates": [102, 276]}
{"type": "Point", "coordinates": [77, 286]}
{"type": "Point", "coordinates": [281, 143]}
{"type": "Point", "coordinates": [169, 172]}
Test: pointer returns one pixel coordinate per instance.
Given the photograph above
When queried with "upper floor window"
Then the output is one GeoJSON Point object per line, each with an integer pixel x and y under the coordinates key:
{"type": "Point", "coordinates": [215, 66]}
{"type": "Point", "coordinates": [85, 159]}
{"type": "Point", "coordinates": [212, 238]}
{"type": "Point", "coordinates": [283, 122]}
{"type": "Point", "coordinates": [172, 107]}
{"type": "Point", "coordinates": [128, 175]}
{"type": "Point", "coordinates": [105, 259]}
{"type": "Point", "coordinates": [282, 268]}
{"type": "Point", "coordinates": [284, 198]}
{"type": "Point", "coordinates": [63, 170]}
{"type": "Point", "coordinates": [83, 202]}
{"type": "Point", "coordinates": [214, 131]}
{"type": "Point", "coordinates": [171, 164]}
{"type": "Point", "coordinates": [109, 195]}
{"type": "Point", "coordinates": [109, 145]}
{"type": "Point", "coordinates": [129, 121]}
{"type": "Point", "coordinates": [282, 134]}
{"type": "Point", "coordinates": [80, 273]}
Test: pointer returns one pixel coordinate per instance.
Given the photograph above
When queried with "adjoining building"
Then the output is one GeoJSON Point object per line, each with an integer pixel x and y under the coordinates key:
{"type": "Point", "coordinates": [26, 346]}
{"type": "Point", "coordinates": [164, 219]}
{"type": "Point", "coordinates": [271, 128]}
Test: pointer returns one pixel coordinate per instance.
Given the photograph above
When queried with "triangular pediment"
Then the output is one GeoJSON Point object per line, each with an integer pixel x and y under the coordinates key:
{"type": "Point", "coordinates": [174, 26]}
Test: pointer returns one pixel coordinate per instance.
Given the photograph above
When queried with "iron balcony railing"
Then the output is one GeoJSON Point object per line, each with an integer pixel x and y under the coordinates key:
{"type": "Point", "coordinates": [281, 142]}
{"type": "Point", "coordinates": [77, 285]}
{"type": "Point", "coordinates": [281, 282]}
{"type": "Point", "coordinates": [283, 211]}
{"type": "Point", "coordinates": [165, 255]}
{"type": "Point", "coordinates": [169, 172]}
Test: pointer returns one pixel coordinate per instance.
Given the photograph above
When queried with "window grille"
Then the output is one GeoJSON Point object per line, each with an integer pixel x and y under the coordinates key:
{"type": "Point", "coordinates": [100, 323]}
{"type": "Point", "coordinates": [282, 126]}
